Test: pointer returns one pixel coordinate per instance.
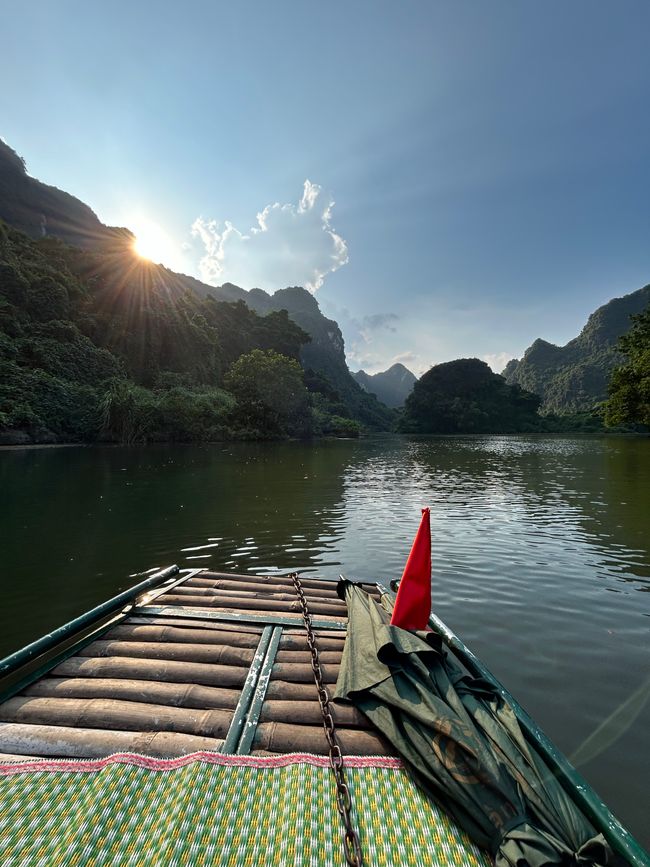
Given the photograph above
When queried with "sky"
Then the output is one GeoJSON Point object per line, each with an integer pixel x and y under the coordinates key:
{"type": "Point", "coordinates": [452, 179]}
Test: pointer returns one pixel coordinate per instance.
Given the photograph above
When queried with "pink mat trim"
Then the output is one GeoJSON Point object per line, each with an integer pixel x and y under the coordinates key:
{"type": "Point", "coordinates": [280, 761]}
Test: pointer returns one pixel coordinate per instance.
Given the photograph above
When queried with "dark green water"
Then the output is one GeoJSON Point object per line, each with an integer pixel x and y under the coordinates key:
{"type": "Point", "coordinates": [541, 553]}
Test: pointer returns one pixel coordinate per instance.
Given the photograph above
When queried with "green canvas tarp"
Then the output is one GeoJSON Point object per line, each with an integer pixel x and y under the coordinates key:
{"type": "Point", "coordinates": [462, 743]}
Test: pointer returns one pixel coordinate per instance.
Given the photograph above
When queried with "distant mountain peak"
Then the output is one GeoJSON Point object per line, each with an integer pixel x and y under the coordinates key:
{"type": "Point", "coordinates": [391, 386]}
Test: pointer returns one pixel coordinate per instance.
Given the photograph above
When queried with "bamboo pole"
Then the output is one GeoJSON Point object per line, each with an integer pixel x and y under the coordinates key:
{"type": "Point", "coordinates": [68, 742]}
{"type": "Point", "coordinates": [193, 590]}
{"type": "Point", "coordinates": [283, 580]}
{"type": "Point", "coordinates": [303, 657]}
{"type": "Point", "coordinates": [309, 713]}
{"type": "Point", "coordinates": [192, 623]}
{"type": "Point", "coordinates": [257, 587]}
{"type": "Point", "coordinates": [261, 604]}
{"type": "Point", "coordinates": [298, 641]}
{"type": "Point", "coordinates": [213, 654]}
{"type": "Point", "coordinates": [303, 673]}
{"type": "Point", "coordinates": [153, 669]}
{"type": "Point", "coordinates": [175, 635]}
{"type": "Point", "coordinates": [307, 583]}
{"type": "Point", "coordinates": [283, 690]}
{"type": "Point", "coordinates": [289, 738]}
{"type": "Point", "coordinates": [150, 691]}
{"type": "Point", "coordinates": [116, 714]}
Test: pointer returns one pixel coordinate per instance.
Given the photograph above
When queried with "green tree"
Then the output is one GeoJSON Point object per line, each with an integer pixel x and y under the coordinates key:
{"type": "Point", "coordinates": [464, 396]}
{"type": "Point", "coordinates": [128, 412]}
{"type": "Point", "coordinates": [629, 387]}
{"type": "Point", "coordinates": [272, 400]}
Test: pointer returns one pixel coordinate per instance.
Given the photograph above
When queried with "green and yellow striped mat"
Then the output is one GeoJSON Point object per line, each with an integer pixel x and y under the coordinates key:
{"type": "Point", "coordinates": [209, 809]}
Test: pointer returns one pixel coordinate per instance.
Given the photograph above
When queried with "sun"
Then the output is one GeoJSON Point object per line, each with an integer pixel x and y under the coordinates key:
{"type": "Point", "coordinates": [151, 241]}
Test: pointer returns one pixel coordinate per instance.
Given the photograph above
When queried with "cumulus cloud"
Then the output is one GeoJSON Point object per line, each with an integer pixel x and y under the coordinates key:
{"type": "Point", "coordinates": [498, 360]}
{"type": "Point", "coordinates": [291, 245]}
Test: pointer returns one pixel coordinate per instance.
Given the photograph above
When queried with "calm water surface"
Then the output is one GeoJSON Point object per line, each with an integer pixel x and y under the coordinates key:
{"type": "Point", "coordinates": [541, 554]}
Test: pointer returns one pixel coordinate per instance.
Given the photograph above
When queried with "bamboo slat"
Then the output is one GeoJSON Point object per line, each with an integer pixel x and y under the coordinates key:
{"type": "Point", "coordinates": [218, 610]}
{"type": "Point", "coordinates": [152, 669]}
{"type": "Point", "coordinates": [213, 654]}
{"type": "Point", "coordinates": [265, 593]}
{"type": "Point", "coordinates": [309, 713]}
{"type": "Point", "coordinates": [173, 634]}
{"type": "Point", "coordinates": [257, 586]}
{"type": "Point", "coordinates": [278, 580]}
{"type": "Point", "coordinates": [283, 690]}
{"type": "Point", "coordinates": [115, 714]}
{"type": "Point", "coordinates": [298, 641]}
{"type": "Point", "coordinates": [307, 583]}
{"type": "Point", "coordinates": [261, 604]}
{"type": "Point", "coordinates": [303, 673]}
{"type": "Point", "coordinates": [284, 738]}
{"type": "Point", "coordinates": [303, 657]}
{"type": "Point", "coordinates": [194, 623]}
{"type": "Point", "coordinates": [65, 741]}
{"type": "Point", "coordinates": [150, 691]}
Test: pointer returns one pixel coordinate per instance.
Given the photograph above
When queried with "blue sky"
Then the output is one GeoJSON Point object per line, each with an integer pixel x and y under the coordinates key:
{"type": "Point", "coordinates": [478, 172]}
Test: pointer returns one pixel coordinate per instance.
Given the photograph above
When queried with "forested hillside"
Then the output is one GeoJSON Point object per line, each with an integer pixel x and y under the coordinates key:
{"type": "Point", "coordinates": [44, 211]}
{"type": "Point", "coordinates": [574, 377]}
{"type": "Point", "coordinates": [99, 345]}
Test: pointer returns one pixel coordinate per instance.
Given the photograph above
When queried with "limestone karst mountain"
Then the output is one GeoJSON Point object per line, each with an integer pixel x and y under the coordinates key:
{"type": "Point", "coordinates": [572, 378]}
{"type": "Point", "coordinates": [391, 386]}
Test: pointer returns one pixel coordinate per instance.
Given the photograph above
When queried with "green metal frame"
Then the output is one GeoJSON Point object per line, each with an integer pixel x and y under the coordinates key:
{"type": "Point", "coordinates": [79, 627]}
{"type": "Point", "coordinates": [250, 727]}
{"type": "Point", "coordinates": [573, 783]}
{"type": "Point", "coordinates": [241, 711]}
{"type": "Point", "coordinates": [211, 614]}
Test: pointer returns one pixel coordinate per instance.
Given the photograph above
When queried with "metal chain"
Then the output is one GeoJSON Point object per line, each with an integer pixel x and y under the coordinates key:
{"type": "Point", "coordinates": [351, 844]}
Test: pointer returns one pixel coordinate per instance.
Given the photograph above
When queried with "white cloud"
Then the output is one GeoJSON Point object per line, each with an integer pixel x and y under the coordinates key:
{"type": "Point", "coordinates": [498, 360]}
{"type": "Point", "coordinates": [291, 245]}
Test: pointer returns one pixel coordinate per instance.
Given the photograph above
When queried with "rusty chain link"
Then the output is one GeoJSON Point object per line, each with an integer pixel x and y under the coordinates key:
{"type": "Point", "coordinates": [351, 843]}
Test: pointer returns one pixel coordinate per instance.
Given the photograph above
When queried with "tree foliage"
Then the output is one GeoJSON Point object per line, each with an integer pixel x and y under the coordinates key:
{"type": "Point", "coordinates": [629, 388]}
{"type": "Point", "coordinates": [272, 400]}
{"type": "Point", "coordinates": [98, 345]}
{"type": "Point", "coordinates": [464, 396]}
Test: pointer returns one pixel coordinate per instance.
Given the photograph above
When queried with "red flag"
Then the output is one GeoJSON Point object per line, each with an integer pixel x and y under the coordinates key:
{"type": "Point", "coordinates": [413, 603]}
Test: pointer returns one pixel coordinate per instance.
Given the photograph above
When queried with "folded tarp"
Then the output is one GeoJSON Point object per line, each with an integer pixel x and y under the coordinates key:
{"type": "Point", "coordinates": [462, 742]}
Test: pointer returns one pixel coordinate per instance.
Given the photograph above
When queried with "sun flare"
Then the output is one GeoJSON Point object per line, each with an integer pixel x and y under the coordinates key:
{"type": "Point", "coordinates": [151, 242]}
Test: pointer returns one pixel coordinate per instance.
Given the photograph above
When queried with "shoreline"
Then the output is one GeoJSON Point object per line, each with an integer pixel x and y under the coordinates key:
{"type": "Point", "coordinates": [382, 434]}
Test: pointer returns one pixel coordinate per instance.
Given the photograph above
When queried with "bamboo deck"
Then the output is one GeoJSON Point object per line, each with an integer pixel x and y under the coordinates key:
{"type": "Point", "coordinates": [214, 662]}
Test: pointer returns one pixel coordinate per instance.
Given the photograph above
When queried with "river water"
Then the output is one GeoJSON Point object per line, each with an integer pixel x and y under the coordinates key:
{"type": "Point", "coordinates": [541, 554]}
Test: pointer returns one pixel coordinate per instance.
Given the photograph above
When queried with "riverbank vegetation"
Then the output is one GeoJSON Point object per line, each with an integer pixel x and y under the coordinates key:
{"type": "Point", "coordinates": [629, 388]}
